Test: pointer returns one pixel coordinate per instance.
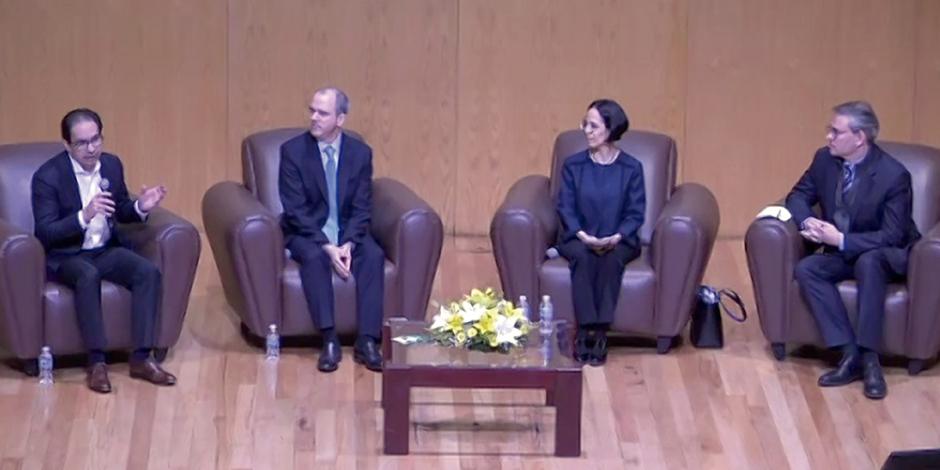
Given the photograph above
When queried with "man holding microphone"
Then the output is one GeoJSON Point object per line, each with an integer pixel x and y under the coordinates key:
{"type": "Point", "coordinates": [76, 197]}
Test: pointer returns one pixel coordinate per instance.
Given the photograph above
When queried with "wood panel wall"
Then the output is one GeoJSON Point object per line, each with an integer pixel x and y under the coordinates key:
{"type": "Point", "coordinates": [155, 71]}
{"type": "Point", "coordinates": [459, 98]}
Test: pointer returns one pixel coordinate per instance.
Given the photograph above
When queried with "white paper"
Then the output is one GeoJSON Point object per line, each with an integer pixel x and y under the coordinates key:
{"type": "Point", "coordinates": [777, 212]}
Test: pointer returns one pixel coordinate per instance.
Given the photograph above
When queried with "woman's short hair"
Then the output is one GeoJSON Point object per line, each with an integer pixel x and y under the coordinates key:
{"type": "Point", "coordinates": [75, 116]}
{"type": "Point", "coordinates": [615, 118]}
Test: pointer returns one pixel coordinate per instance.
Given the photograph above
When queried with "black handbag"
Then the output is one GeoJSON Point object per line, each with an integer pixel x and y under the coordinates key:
{"type": "Point", "coordinates": [706, 331]}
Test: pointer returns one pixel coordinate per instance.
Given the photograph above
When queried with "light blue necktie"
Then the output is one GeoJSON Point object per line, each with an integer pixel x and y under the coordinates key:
{"type": "Point", "coordinates": [331, 227]}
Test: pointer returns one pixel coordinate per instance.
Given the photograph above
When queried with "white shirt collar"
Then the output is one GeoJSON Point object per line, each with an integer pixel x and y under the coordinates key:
{"type": "Point", "coordinates": [336, 144]}
{"type": "Point", "coordinates": [77, 167]}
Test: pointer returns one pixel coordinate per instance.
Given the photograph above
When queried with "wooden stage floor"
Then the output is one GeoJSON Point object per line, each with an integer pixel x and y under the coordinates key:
{"type": "Point", "coordinates": [734, 408]}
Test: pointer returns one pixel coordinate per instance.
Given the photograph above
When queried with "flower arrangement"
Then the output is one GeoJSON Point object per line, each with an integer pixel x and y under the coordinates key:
{"type": "Point", "coordinates": [482, 320]}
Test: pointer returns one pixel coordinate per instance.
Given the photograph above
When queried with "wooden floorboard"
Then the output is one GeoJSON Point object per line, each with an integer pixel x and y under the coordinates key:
{"type": "Point", "coordinates": [734, 408]}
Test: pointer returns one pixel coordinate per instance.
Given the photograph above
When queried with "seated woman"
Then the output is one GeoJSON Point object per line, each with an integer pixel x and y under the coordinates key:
{"type": "Point", "coordinates": [601, 205]}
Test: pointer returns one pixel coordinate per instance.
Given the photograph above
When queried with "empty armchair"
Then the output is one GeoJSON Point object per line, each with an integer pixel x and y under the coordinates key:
{"type": "Point", "coordinates": [911, 308]}
{"type": "Point", "coordinates": [36, 311]}
{"type": "Point", "coordinates": [262, 284]}
{"type": "Point", "coordinates": [677, 237]}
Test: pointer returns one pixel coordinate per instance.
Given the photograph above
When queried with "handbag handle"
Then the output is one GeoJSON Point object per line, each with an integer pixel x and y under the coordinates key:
{"type": "Point", "coordinates": [737, 299]}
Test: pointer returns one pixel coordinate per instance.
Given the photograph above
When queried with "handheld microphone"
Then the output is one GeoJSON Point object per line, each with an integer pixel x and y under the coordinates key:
{"type": "Point", "coordinates": [105, 184]}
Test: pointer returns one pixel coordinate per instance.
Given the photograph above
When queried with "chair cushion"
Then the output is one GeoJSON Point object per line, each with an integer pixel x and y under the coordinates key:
{"type": "Point", "coordinates": [296, 319]}
{"type": "Point", "coordinates": [924, 165]}
{"type": "Point", "coordinates": [18, 162]}
{"type": "Point", "coordinates": [635, 307]}
{"type": "Point", "coordinates": [802, 327]}
{"type": "Point", "coordinates": [61, 321]}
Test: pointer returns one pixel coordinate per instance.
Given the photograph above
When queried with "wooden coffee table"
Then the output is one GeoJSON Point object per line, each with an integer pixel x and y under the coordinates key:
{"type": "Point", "coordinates": [541, 364]}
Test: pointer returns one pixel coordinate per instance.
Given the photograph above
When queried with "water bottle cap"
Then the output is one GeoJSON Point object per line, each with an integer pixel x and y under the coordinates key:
{"type": "Point", "coordinates": [523, 298]}
{"type": "Point", "coordinates": [272, 327]}
{"type": "Point", "coordinates": [546, 298]}
{"type": "Point", "coordinates": [45, 349]}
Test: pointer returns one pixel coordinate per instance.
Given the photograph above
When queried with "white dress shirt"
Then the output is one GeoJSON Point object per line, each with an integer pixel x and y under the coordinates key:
{"type": "Point", "coordinates": [97, 232]}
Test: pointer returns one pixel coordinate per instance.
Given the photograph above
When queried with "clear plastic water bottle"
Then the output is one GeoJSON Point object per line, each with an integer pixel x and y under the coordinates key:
{"type": "Point", "coordinates": [547, 350]}
{"type": "Point", "coordinates": [45, 366]}
{"type": "Point", "coordinates": [524, 305]}
{"type": "Point", "coordinates": [547, 316]}
{"type": "Point", "coordinates": [272, 344]}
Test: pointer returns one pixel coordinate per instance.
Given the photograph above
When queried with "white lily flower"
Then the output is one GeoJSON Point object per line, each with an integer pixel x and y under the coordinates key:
{"type": "Point", "coordinates": [506, 331]}
{"type": "Point", "coordinates": [442, 319]}
{"type": "Point", "coordinates": [472, 313]}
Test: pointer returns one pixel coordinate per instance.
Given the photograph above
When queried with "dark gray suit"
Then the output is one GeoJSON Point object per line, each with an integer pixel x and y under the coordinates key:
{"type": "Point", "coordinates": [875, 217]}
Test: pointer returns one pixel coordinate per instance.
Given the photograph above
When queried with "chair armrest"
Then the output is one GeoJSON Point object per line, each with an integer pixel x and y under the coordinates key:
{"type": "Point", "coordinates": [524, 226]}
{"type": "Point", "coordinates": [923, 327]}
{"type": "Point", "coordinates": [22, 280]}
{"type": "Point", "coordinates": [248, 246]}
{"type": "Point", "coordinates": [411, 234]}
{"type": "Point", "coordinates": [773, 249]}
{"type": "Point", "coordinates": [172, 243]}
{"type": "Point", "coordinates": [681, 244]}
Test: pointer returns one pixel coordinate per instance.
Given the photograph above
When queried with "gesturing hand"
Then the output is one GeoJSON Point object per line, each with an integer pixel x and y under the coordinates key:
{"type": "Point", "coordinates": [599, 245]}
{"type": "Point", "coordinates": [150, 197]}
{"type": "Point", "coordinates": [611, 241]}
{"type": "Point", "coordinates": [346, 250]}
{"type": "Point", "coordinates": [100, 204]}
{"type": "Point", "coordinates": [813, 223]}
{"type": "Point", "coordinates": [819, 231]}
{"type": "Point", "coordinates": [590, 240]}
{"type": "Point", "coordinates": [340, 259]}
{"type": "Point", "coordinates": [830, 235]}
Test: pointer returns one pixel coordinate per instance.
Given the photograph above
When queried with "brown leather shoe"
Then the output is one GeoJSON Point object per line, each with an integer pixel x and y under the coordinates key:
{"type": "Point", "coordinates": [150, 371]}
{"type": "Point", "coordinates": [97, 378]}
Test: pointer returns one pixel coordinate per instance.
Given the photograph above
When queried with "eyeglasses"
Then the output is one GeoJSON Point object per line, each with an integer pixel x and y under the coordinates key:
{"type": "Point", "coordinates": [836, 132]}
{"type": "Point", "coordinates": [588, 126]}
{"type": "Point", "coordinates": [88, 144]}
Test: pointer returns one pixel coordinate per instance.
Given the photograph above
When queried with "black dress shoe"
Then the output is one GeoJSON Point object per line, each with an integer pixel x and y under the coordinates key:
{"type": "Point", "coordinates": [366, 352]}
{"type": "Point", "coordinates": [598, 354]}
{"type": "Point", "coordinates": [874, 383]}
{"type": "Point", "coordinates": [582, 352]}
{"type": "Point", "coordinates": [849, 370]}
{"type": "Point", "coordinates": [330, 356]}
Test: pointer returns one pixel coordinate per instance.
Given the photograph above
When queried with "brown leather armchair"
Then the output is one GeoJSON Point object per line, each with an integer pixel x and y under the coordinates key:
{"type": "Point", "coordinates": [35, 311]}
{"type": "Point", "coordinates": [677, 236]}
{"type": "Point", "coordinates": [912, 308]}
{"type": "Point", "coordinates": [262, 284]}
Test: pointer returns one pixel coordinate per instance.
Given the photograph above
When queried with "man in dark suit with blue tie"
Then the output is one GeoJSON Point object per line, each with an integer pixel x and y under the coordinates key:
{"type": "Point", "coordinates": [865, 200]}
{"type": "Point", "coordinates": [325, 184]}
{"type": "Point", "coordinates": [76, 197]}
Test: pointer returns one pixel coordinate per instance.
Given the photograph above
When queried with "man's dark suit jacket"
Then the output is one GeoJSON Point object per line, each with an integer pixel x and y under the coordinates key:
{"type": "Point", "coordinates": [56, 201]}
{"type": "Point", "coordinates": [878, 205]}
{"type": "Point", "coordinates": [302, 184]}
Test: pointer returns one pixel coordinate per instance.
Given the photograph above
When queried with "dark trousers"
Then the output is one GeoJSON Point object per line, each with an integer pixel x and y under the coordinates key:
{"type": "Point", "coordinates": [316, 276]}
{"type": "Point", "coordinates": [596, 280]}
{"type": "Point", "coordinates": [84, 272]}
{"type": "Point", "coordinates": [817, 276]}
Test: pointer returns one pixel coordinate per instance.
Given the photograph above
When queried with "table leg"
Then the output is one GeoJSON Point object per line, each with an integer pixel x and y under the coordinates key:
{"type": "Point", "coordinates": [385, 392]}
{"type": "Point", "coordinates": [396, 401]}
{"type": "Point", "coordinates": [567, 399]}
